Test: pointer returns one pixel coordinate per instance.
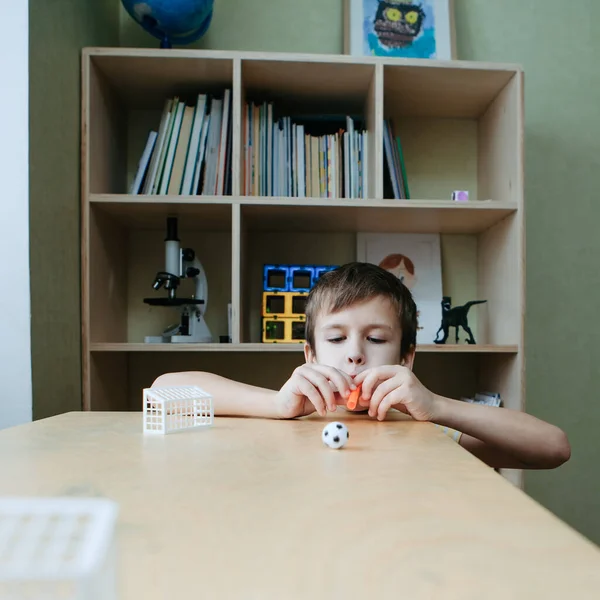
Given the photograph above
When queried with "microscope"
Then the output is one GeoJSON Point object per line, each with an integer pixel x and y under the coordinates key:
{"type": "Point", "coordinates": [181, 263]}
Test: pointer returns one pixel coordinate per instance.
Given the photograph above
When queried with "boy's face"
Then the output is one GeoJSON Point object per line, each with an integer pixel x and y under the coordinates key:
{"type": "Point", "coordinates": [358, 337]}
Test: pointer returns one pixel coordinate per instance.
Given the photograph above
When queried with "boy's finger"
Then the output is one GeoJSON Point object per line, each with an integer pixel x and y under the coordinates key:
{"type": "Point", "coordinates": [382, 390]}
{"type": "Point", "coordinates": [386, 403]}
{"type": "Point", "coordinates": [394, 398]}
{"type": "Point", "coordinates": [329, 396]}
{"type": "Point", "coordinates": [383, 372]}
{"type": "Point", "coordinates": [342, 382]}
{"type": "Point", "coordinates": [368, 373]}
{"type": "Point", "coordinates": [379, 376]}
{"type": "Point", "coordinates": [307, 388]}
{"type": "Point", "coordinates": [332, 371]}
{"type": "Point", "coordinates": [369, 385]}
{"type": "Point", "coordinates": [323, 385]}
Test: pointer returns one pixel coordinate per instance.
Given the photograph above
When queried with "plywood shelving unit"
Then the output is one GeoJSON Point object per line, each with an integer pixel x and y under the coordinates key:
{"type": "Point", "coordinates": [461, 125]}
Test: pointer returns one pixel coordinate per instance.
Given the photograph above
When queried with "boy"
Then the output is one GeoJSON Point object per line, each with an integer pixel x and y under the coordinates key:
{"type": "Point", "coordinates": [361, 328]}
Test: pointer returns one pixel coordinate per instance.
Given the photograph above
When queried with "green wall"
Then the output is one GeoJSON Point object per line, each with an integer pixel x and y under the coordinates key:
{"type": "Point", "coordinates": [556, 44]}
{"type": "Point", "coordinates": [57, 32]}
{"type": "Point", "coordinates": [562, 165]}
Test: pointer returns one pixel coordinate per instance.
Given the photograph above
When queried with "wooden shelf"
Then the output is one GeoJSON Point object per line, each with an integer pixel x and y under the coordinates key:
{"type": "Point", "coordinates": [145, 212]}
{"type": "Point", "coordinates": [461, 126]}
{"type": "Point", "coordinates": [422, 216]}
{"type": "Point", "coordinates": [250, 347]}
{"type": "Point", "coordinates": [307, 214]}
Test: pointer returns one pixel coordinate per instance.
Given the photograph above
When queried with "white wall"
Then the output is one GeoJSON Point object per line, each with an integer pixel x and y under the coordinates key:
{"type": "Point", "coordinates": [15, 338]}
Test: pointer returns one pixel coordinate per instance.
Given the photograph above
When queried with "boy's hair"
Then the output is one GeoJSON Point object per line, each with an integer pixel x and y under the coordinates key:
{"type": "Point", "coordinates": [358, 282]}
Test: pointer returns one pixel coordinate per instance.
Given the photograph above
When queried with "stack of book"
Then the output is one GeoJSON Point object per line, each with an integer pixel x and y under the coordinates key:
{"type": "Point", "coordinates": [285, 157]}
{"type": "Point", "coordinates": [190, 153]}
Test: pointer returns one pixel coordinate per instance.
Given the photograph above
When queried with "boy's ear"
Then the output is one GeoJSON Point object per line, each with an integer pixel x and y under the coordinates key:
{"type": "Point", "coordinates": [409, 359]}
{"type": "Point", "coordinates": [309, 355]}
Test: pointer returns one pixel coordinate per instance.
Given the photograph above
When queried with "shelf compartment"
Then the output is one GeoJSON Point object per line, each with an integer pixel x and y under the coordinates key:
{"type": "Point", "coordinates": [333, 91]}
{"type": "Point", "coordinates": [127, 249]}
{"type": "Point", "coordinates": [459, 129]}
{"type": "Point", "coordinates": [483, 265]}
{"type": "Point", "coordinates": [126, 96]}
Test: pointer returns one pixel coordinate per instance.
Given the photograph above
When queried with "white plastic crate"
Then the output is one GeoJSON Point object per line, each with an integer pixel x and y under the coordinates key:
{"type": "Point", "coordinates": [169, 409]}
{"type": "Point", "coordinates": [58, 549]}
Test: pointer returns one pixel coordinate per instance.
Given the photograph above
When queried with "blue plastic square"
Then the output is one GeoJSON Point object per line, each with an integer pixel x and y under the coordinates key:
{"type": "Point", "coordinates": [301, 278]}
{"type": "Point", "coordinates": [276, 278]}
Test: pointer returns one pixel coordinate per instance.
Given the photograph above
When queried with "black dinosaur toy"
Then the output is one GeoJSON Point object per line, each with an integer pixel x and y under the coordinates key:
{"type": "Point", "coordinates": [455, 317]}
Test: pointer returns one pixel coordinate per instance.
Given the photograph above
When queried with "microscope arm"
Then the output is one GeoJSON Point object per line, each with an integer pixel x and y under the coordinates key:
{"type": "Point", "coordinates": [201, 282]}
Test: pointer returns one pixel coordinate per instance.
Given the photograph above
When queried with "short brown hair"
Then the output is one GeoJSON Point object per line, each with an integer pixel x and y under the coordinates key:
{"type": "Point", "coordinates": [357, 282]}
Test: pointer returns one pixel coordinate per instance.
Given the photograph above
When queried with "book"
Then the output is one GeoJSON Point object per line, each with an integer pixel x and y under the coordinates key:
{"type": "Point", "coordinates": [143, 163]}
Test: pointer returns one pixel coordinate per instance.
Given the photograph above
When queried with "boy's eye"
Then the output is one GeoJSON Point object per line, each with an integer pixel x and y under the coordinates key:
{"type": "Point", "coordinates": [336, 340]}
{"type": "Point", "coordinates": [376, 340]}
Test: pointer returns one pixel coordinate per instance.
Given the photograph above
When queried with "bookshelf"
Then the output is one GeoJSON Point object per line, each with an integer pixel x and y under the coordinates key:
{"type": "Point", "coordinates": [461, 125]}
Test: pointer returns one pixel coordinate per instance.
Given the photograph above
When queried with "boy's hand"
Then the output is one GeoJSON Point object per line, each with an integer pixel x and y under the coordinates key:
{"type": "Point", "coordinates": [313, 387]}
{"type": "Point", "coordinates": [395, 386]}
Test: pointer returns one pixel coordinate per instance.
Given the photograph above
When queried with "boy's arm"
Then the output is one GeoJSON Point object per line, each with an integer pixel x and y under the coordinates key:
{"type": "Point", "coordinates": [230, 398]}
{"type": "Point", "coordinates": [504, 438]}
{"type": "Point", "coordinates": [310, 388]}
{"type": "Point", "coordinates": [498, 436]}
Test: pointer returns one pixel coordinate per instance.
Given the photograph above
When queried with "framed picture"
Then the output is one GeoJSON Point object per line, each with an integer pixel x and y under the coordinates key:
{"type": "Point", "coordinates": [415, 258]}
{"type": "Point", "coordinates": [391, 28]}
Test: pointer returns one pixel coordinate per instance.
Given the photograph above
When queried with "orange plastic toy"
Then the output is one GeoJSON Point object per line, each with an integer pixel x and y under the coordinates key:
{"type": "Point", "coordinates": [353, 398]}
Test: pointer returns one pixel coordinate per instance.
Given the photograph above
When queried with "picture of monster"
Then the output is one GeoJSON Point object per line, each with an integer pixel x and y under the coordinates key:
{"type": "Point", "coordinates": [397, 24]}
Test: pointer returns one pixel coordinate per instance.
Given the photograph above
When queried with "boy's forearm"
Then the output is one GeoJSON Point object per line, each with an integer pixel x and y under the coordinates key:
{"type": "Point", "coordinates": [230, 398]}
{"type": "Point", "coordinates": [532, 441]}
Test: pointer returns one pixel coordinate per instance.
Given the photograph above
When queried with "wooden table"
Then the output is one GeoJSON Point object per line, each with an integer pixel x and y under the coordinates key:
{"type": "Point", "coordinates": [260, 509]}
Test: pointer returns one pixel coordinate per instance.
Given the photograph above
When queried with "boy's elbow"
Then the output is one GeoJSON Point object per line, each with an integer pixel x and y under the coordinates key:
{"type": "Point", "coordinates": [563, 453]}
{"type": "Point", "coordinates": [560, 450]}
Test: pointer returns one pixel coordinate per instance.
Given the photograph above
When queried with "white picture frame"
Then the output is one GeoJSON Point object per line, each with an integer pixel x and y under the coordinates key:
{"type": "Point", "coordinates": [423, 251]}
{"type": "Point", "coordinates": [430, 36]}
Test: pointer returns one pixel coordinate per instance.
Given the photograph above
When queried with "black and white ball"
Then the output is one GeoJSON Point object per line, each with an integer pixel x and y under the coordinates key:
{"type": "Point", "coordinates": [335, 435]}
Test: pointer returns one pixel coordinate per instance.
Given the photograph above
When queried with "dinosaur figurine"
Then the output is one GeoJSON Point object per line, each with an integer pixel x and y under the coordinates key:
{"type": "Point", "coordinates": [455, 317]}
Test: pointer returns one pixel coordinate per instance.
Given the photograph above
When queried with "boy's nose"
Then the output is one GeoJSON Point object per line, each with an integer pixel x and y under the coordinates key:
{"type": "Point", "coordinates": [356, 359]}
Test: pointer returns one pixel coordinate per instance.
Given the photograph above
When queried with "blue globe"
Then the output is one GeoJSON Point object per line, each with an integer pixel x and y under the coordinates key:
{"type": "Point", "coordinates": [172, 21]}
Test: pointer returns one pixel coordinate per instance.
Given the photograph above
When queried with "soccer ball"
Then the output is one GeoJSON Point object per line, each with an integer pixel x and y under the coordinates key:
{"type": "Point", "coordinates": [335, 435]}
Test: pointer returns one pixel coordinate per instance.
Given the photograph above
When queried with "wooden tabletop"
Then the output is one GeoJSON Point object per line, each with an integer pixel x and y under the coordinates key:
{"type": "Point", "coordinates": [261, 509]}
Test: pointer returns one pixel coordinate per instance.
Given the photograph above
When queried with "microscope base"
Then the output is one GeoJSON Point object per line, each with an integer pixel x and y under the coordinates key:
{"type": "Point", "coordinates": [198, 333]}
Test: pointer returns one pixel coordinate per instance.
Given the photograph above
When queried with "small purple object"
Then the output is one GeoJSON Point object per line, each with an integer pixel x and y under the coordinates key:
{"type": "Point", "coordinates": [460, 196]}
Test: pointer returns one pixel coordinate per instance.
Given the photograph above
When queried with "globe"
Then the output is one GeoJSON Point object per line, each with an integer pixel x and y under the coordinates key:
{"type": "Point", "coordinates": [172, 21]}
